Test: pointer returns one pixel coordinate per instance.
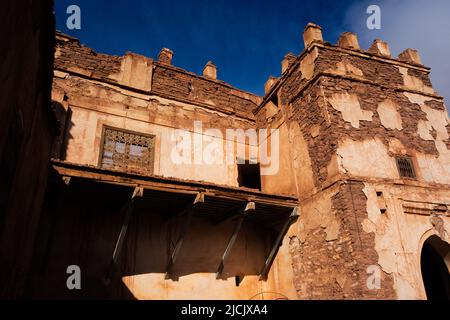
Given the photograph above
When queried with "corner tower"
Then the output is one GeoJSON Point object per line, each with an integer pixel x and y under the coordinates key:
{"type": "Point", "coordinates": [365, 146]}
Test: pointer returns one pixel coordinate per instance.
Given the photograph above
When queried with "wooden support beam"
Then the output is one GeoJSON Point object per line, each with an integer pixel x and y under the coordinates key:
{"type": "Point", "coordinates": [128, 208]}
{"type": "Point", "coordinates": [138, 192]}
{"type": "Point", "coordinates": [276, 245]}
{"type": "Point", "coordinates": [123, 231]}
{"type": "Point", "coordinates": [66, 180]}
{"type": "Point", "coordinates": [200, 198]}
{"type": "Point", "coordinates": [250, 207]}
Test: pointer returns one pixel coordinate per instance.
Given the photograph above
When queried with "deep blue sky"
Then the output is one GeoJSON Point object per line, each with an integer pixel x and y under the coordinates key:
{"type": "Point", "coordinates": [246, 39]}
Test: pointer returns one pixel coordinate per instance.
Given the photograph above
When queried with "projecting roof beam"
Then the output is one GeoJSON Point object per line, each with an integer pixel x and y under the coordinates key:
{"type": "Point", "coordinates": [250, 207]}
{"type": "Point", "coordinates": [66, 180]}
{"type": "Point", "coordinates": [276, 245]}
{"type": "Point", "coordinates": [199, 199]}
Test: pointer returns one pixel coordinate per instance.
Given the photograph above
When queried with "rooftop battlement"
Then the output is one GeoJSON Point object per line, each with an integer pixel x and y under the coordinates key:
{"type": "Point", "coordinates": [159, 77]}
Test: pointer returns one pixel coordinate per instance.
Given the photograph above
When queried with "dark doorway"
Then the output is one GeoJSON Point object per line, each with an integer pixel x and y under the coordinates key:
{"type": "Point", "coordinates": [435, 272]}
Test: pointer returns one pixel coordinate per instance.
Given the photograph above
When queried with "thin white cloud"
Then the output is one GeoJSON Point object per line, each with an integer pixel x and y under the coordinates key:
{"type": "Point", "coordinates": [420, 24]}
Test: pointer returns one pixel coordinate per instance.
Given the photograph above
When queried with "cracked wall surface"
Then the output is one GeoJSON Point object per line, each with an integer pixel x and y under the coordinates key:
{"type": "Point", "coordinates": [343, 115]}
{"type": "Point", "coordinates": [350, 115]}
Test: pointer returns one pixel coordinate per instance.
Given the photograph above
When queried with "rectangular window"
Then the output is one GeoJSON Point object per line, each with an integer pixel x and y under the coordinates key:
{"type": "Point", "coordinates": [405, 167]}
{"type": "Point", "coordinates": [128, 151]}
{"type": "Point", "coordinates": [249, 176]}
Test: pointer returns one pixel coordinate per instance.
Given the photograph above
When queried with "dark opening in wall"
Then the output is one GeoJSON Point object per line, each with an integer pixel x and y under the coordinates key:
{"type": "Point", "coordinates": [274, 99]}
{"type": "Point", "coordinates": [249, 175]}
{"type": "Point", "coordinates": [405, 167]}
{"type": "Point", "coordinates": [434, 269]}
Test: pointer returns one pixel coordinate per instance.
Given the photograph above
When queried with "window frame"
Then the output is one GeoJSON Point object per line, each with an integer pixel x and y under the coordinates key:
{"type": "Point", "coordinates": [151, 170]}
{"type": "Point", "coordinates": [411, 162]}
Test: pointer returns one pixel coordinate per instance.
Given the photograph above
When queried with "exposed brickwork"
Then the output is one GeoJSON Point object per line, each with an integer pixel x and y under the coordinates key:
{"type": "Point", "coordinates": [380, 81]}
{"type": "Point", "coordinates": [167, 80]}
{"type": "Point", "coordinates": [180, 84]}
{"type": "Point", "coordinates": [330, 102]}
{"type": "Point", "coordinates": [338, 269]}
{"type": "Point", "coordinates": [72, 54]}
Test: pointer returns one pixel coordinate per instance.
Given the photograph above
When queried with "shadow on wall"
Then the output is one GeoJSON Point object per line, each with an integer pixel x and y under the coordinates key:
{"type": "Point", "coordinates": [86, 221]}
{"type": "Point", "coordinates": [64, 117]}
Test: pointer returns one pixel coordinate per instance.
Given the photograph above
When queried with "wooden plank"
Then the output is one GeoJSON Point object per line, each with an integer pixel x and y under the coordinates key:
{"type": "Point", "coordinates": [250, 207]}
{"type": "Point", "coordinates": [169, 184]}
{"type": "Point", "coordinates": [138, 192]}
{"type": "Point", "coordinates": [276, 245]}
{"type": "Point", "coordinates": [123, 231]}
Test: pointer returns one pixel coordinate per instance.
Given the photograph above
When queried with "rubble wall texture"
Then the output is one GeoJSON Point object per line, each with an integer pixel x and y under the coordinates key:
{"type": "Point", "coordinates": [343, 116]}
{"type": "Point", "coordinates": [348, 114]}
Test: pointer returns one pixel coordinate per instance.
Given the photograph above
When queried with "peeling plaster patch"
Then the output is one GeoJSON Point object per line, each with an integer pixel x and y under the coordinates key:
{"type": "Point", "coordinates": [346, 68]}
{"type": "Point", "coordinates": [319, 213]}
{"type": "Point", "coordinates": [397, 238]}
{"type": "Point", "coordinates": [380, 225]}
{"type": "Point", "coordinates": [423, 129]}
{"type": "Point", "coordinates": [389, 116]}
{"type": "Point", "coordinates": [417, 98]}
{"type": "Point", "coordinates": [391, 256]}
{"type": "Point", "coordinates": [350, 108]}
{"type": "Point", "coordinates": [438, 120]}
{"type": "Point", "coordinates": [435, 169]}
{"type": "Point", "coordinates": [366, 158]}
{"type": "Point", "coordinates": [396, 146]}
{"type": "Point", "coordinates": [307, 65]}
{"type": "Point", "coordinates": [414, 83]}
{"type": "Point", "coordinates": [301, 160]}
{"type": "Point", "coordinates": [333, 167]}
{"type": "Point", "coordinates": [432, 168]}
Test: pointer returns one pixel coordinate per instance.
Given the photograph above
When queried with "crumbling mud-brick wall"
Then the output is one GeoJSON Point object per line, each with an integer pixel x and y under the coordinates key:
{"type": "Point", "coordinates": [347, 114]}
{"type": "Point", "coordinates": [149, 96]}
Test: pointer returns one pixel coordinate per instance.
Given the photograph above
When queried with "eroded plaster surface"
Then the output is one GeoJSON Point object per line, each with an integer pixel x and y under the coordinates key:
{"type": "Point", "coordinates": [366, 158]}
{"type": "Point", "coordinates": [389, 116]}
{"type": "Point", "coordinates": [414, 83]}
{"type": "Point", "coordinates": [307, 65]}
{"type": "Point", "coordinates": [399, 235]}
{"type": "Point", "coordinates": [348, 105]}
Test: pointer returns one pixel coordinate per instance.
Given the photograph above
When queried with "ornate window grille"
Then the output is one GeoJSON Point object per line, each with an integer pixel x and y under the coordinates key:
{"type": "Point", "coordinates": [127, 151]}
{"type": "Point", "coordinates": [405, 167]}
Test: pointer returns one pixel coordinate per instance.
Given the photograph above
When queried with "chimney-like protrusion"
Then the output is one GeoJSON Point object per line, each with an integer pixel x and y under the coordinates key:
{"type": "Point", "coordinates": [381, 48]}
{"type": "Point", "coordinates": [349, 40]}
{"type": "Point", "coordinates": [269, 84]}
{"type": "Point", "coordinates": [165, 56]}
{"type": "Point", "coordinates": [289, 58]}
{"type": "Point", "coordinates": [210, 70]}
{"type": "Point", "coordinates": [410, 56]}
{"type": "Point", "coordinates": [312, 33]}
